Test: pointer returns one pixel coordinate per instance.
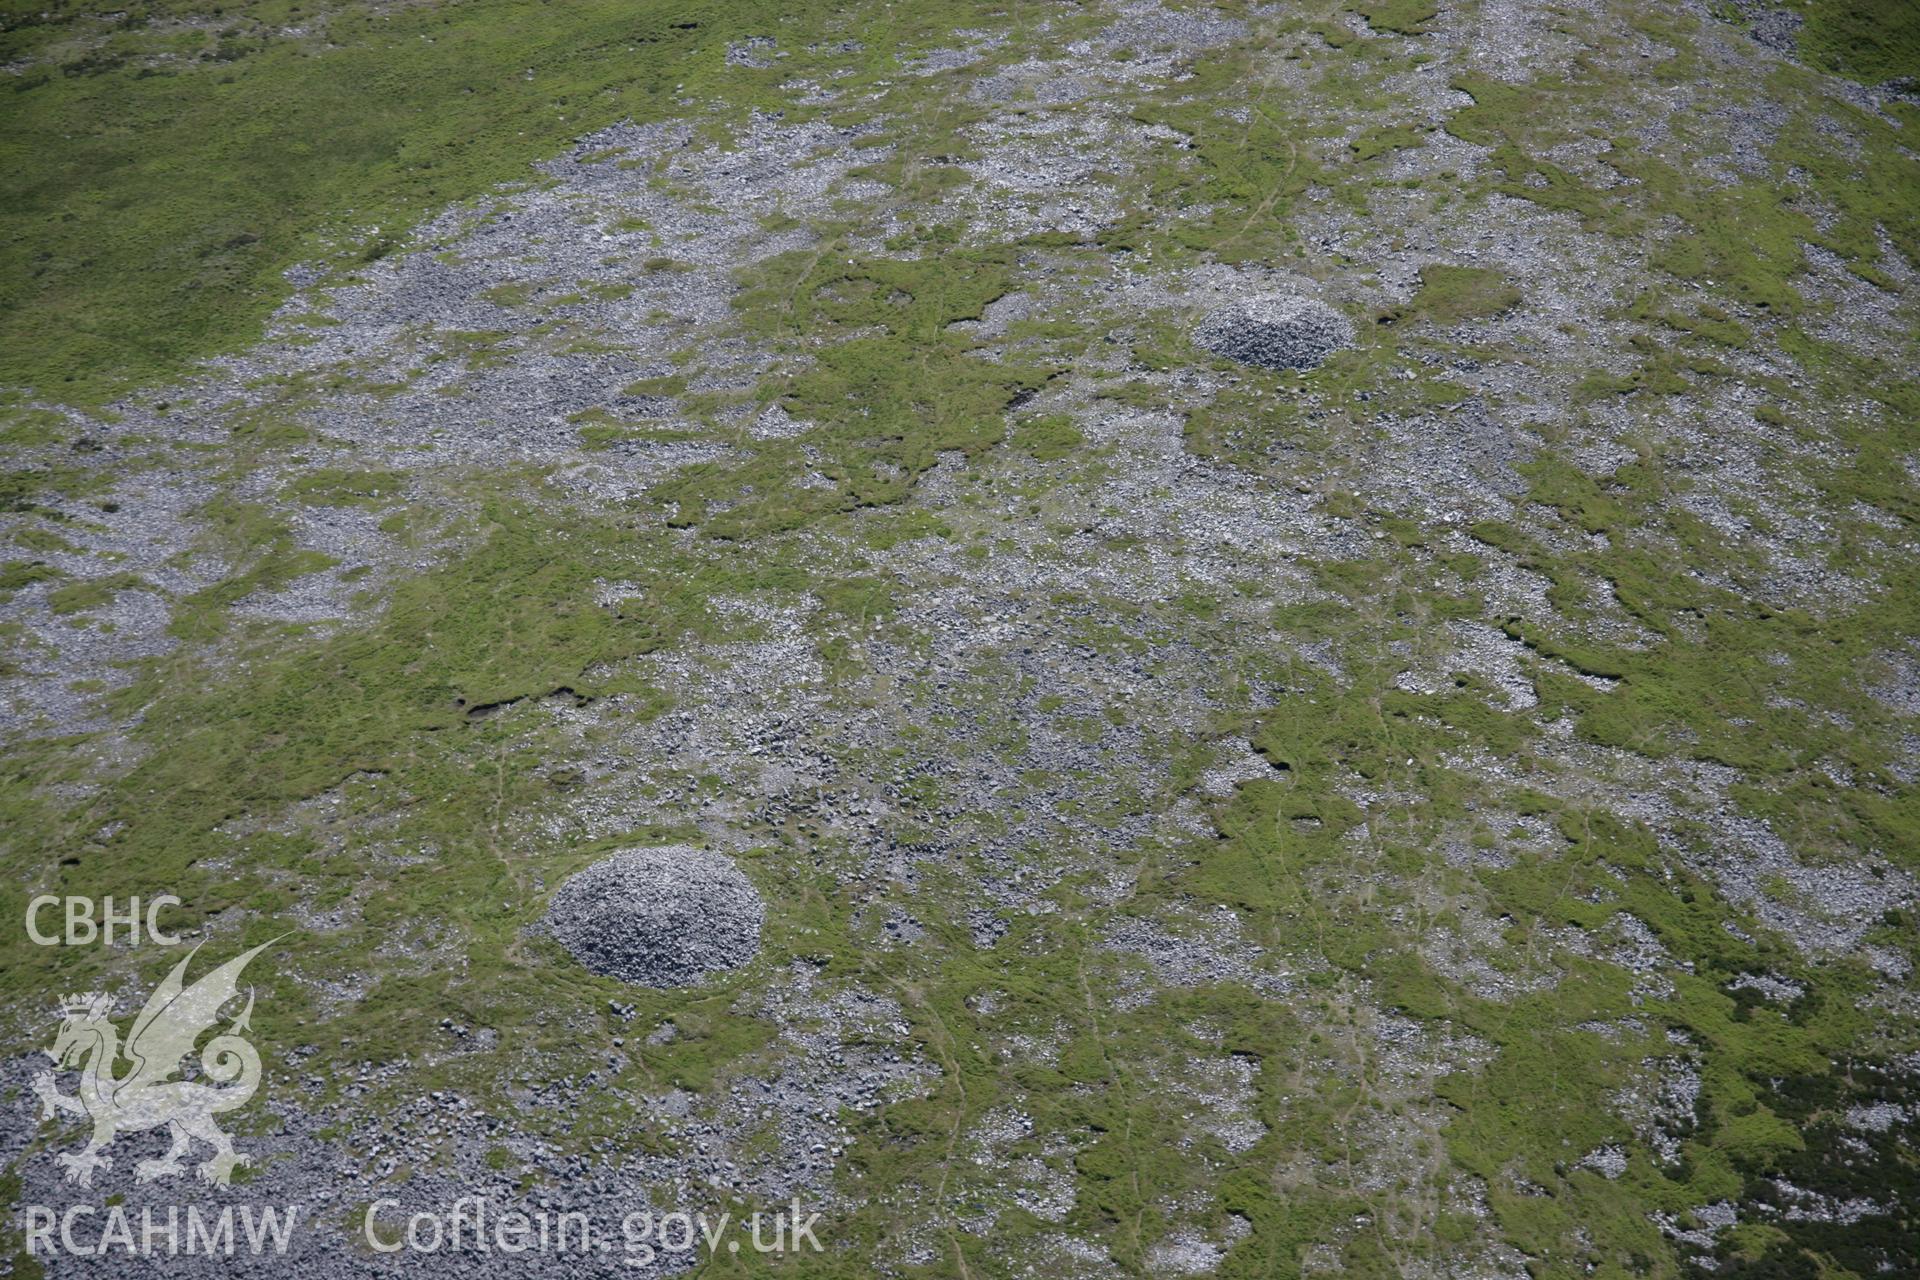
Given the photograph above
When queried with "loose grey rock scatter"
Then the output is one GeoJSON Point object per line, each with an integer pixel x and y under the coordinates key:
{"type": "Point", "coordinates": [1275, 331]}
{"type": "Point", "coordinates": [1777, 29]}
{"type": "Point", "coordinates": [665, 917]}
{"type": "Point", "coordinates": [1609, 1162]}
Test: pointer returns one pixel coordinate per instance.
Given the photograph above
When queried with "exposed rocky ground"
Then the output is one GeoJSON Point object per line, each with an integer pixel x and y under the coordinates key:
{"type": "Point", "coordinates": [1253, 640]}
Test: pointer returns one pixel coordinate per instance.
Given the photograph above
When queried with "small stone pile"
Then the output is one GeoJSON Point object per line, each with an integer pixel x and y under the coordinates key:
{"type": "Point", "coordinates": [1275, 331]}
{"type": "Point", "coordinates": [664, 917]}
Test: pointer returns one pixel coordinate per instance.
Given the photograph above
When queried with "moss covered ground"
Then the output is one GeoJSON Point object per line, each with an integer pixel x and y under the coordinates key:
{"type": "Point", "coordinates": [1561, 629]}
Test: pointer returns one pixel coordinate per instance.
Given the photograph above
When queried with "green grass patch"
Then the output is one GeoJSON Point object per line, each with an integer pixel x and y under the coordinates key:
{"type": "Point", "coordinates": [1047, 439]}
{"type": "Point", "coordinates": [1379, 142]}
{"type": "Point", "coordinates": [1870, 40]}
{"type": "Point", "coordinates": [1401, 17]}
{"type": "Point", "coordinates": [334, 487]}
{"type": "Point", "coordinates": [191, 170]}
{"type": "Point", "coordinates": [1451, 295]}
{"type": "Point", "coordinates": [93, 593]}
